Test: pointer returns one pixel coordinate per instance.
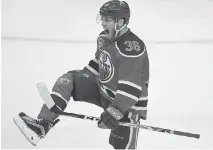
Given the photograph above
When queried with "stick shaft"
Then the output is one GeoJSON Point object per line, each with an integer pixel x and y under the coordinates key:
{"type": "Point", "coordinates": [45, 95]}
{"type": "Point", "coordinates": [134, 125]}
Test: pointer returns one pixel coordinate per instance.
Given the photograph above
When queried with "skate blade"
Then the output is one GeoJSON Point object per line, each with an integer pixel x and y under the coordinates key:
{"type": "Point", "coordinates": [30, 135]}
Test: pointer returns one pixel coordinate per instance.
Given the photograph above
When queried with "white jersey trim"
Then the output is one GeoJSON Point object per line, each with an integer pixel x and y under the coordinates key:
{"type": "Point", "coordinates": [131, 131]}
{"type": "Point", "coordinates": [136, 140]}
{"type": "Point", "coordinates": [139, 108]}
{"type": "Point", "coordinates": [92, 70]}
{"type": "Point", "coordinates": [104, 91]}
{"type": "Point", "coordinates": [95, 60]}
{"type": "Point", "coordinates": [131, 84]}
{"type": "Point", "coordinates": [105, 87]}
{"type": "Point", "coordinates": [128, 55]}
{"type": "Point", "coordinates": [143, 98]}
{"type": "Point", "coordinates": [127, 95]}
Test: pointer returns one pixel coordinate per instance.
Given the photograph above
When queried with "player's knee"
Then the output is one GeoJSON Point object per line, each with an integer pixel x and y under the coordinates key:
{"type": "Point", "coordinates": [64, 86]}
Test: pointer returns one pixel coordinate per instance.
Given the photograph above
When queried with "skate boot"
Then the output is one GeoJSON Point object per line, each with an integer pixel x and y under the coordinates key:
{"type": "Point", "coordinates": [33, 129]}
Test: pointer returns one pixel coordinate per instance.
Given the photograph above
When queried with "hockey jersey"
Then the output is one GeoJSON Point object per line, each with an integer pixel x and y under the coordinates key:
{"type": "Point", "coordinates": [122, 68]}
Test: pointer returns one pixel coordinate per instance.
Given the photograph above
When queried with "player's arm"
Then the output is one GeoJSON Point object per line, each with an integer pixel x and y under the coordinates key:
{"type": "Point", "coordinates": [129, 88]}
{"type": "Point", "coordinates": [93, 66]}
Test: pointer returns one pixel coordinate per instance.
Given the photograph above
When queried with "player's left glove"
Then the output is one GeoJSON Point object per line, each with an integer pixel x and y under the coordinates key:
{"type": "Point", "coordinates": [110, 118]}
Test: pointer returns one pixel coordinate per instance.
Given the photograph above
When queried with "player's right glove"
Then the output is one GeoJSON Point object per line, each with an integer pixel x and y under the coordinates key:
{"type": "Point", "coordinates": [110, 118]}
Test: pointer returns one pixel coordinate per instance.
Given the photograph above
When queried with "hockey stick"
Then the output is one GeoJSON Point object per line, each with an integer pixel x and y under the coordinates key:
{"type": "Point", "coordinates": [45, 95]}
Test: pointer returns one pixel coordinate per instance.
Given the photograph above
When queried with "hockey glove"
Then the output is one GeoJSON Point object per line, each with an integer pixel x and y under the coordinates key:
{"type": "Point", "coordinates": [110, 118]}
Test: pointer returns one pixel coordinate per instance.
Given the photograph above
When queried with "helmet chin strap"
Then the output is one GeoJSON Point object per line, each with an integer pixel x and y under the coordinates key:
{"type": "Point", "coordinates": [118, 30]}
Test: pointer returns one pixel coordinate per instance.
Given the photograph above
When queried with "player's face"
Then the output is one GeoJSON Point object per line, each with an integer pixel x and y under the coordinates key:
{"type": "Point", "coordinates": [108, 25]}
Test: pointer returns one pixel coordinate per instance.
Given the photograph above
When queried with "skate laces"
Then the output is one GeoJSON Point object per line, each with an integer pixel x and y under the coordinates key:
{"type": "Point", "coordinates": [39, 123]}
{"type": "Point", "coordinates": [45, 122]}
{"type": "Point", "coordinates": [46, 125]}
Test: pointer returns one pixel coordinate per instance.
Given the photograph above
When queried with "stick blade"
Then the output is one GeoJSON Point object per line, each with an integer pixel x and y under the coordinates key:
{"type": "Point", "coordinates": [45, 94]}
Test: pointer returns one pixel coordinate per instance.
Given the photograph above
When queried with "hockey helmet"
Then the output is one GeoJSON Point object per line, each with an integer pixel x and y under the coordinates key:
{"type": "Point", "coordinates": [116, 9]}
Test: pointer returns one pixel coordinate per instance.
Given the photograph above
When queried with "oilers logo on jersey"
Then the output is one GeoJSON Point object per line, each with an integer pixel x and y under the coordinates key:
{"type": "Point", "coordinates": [106, 68]}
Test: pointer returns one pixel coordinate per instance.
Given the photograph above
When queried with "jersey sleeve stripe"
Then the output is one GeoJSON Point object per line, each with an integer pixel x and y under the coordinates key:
{"type": "Point", "coordinates": [105, 87]}
{"type": "Point", "coordinates": [131, 84]}
{"type": "Point", "coordinates": [129, 89]}
{"type": "Point", "coordinates": [92, 70]}
{"type": "Point", "coordinates": [142, 103]}
{"type": "Point", "coordinates": [95, 60]}
{"type": "Point", "coordinates": [59, 95]}
{"type": "Point", "coordinates": [127, 95]}
{"type": "Point", "coordinates": [139, 108]}
{"type": "Point", "coordinates": [94, 65]}
{"type": "Point", "coordinates": [143, 98]}
{"type": "Point", "coordinates": [59, 103]}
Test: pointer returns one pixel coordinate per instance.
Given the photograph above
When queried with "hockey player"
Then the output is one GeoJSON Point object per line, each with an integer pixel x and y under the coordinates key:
{"type": "Point", "coordinates": [115, 80]}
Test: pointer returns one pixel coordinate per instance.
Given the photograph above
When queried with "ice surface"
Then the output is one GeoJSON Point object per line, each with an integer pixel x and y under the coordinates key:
{"type": "Point", "coordinates": [180, 95]}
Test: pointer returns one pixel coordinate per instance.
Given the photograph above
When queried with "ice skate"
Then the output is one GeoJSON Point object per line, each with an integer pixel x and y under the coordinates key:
{"type": "Point", "coordinates": [33, 129]}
